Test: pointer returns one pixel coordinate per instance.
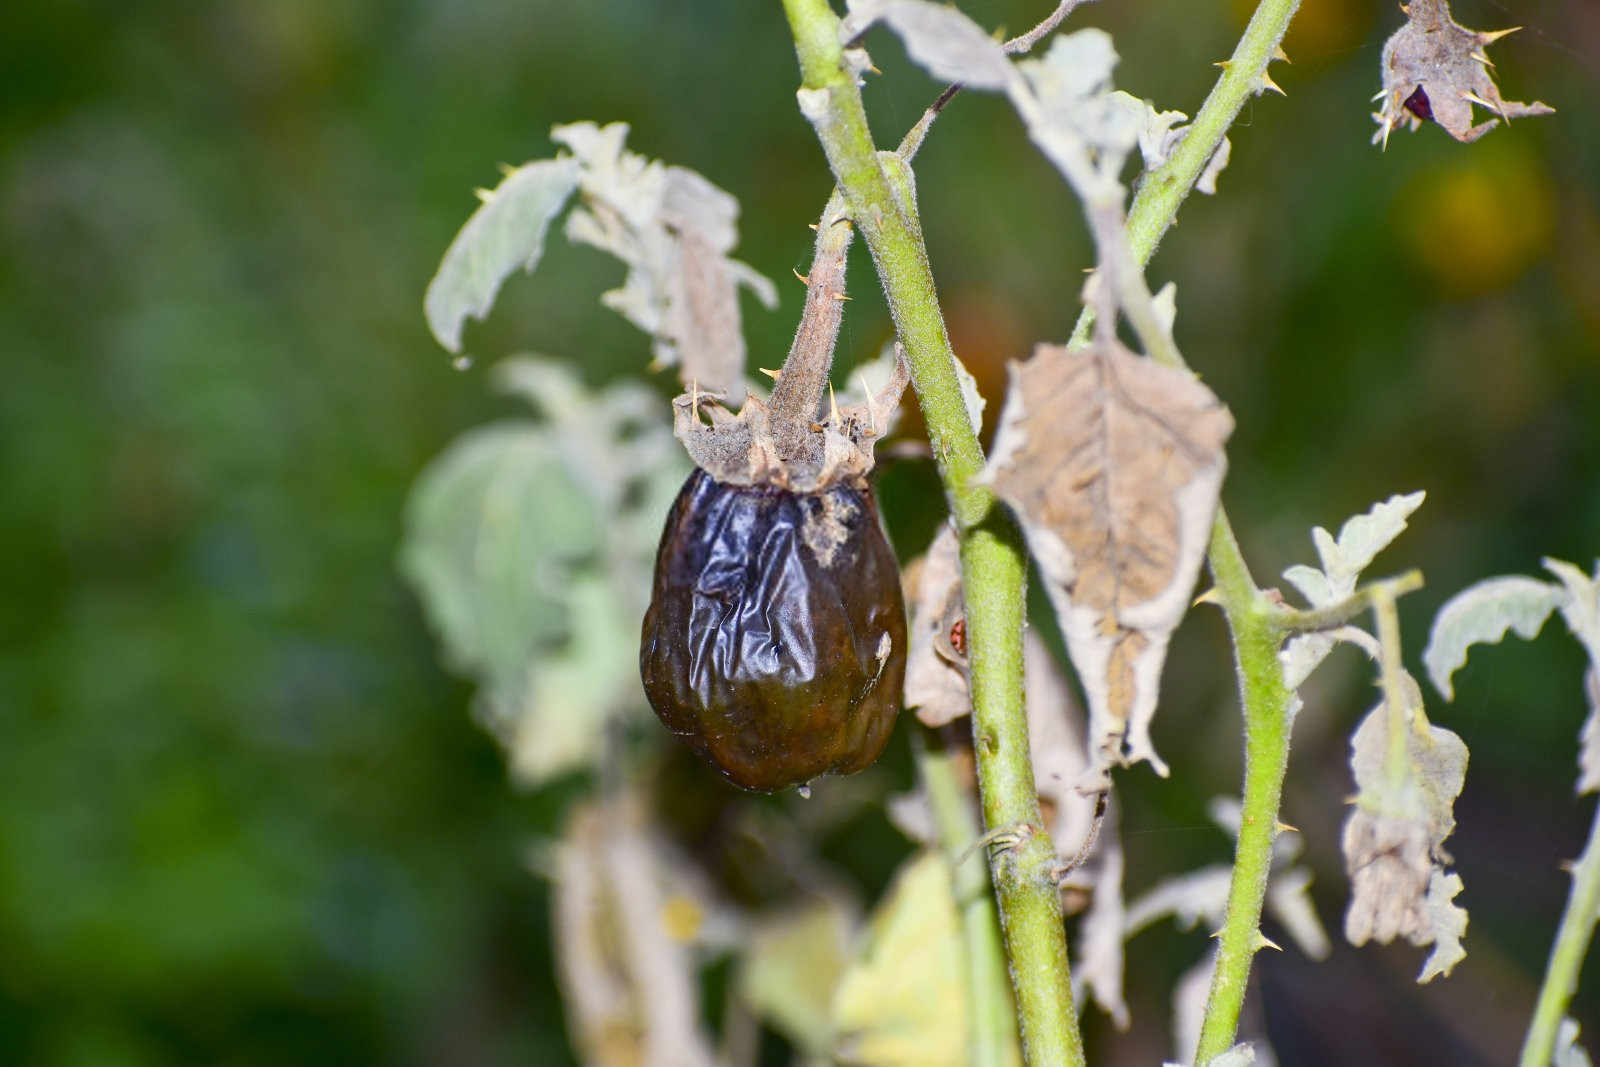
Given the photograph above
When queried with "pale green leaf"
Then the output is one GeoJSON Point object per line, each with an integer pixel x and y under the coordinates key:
{"type": "Point", "coordinates": [505, 233]}
{"type": "Point", "coordinates": [903, 1002]}
{"type": "Point", "coordinates": [939, 38]}
{"type": "Point", "coordinates": [569, 690]}
{"type": "Point", "coordinates": [1072, 111]}
{"type": "Point", "coordinates": [1481, 614]}
{"type": "Point", "coordinates": [494, 526]}
{"type": "Point", "coordinates": [1361, 538]}
{"type": "Point", "coordinates": [1312, 583]}
{"type": "Point", "coordinates": [531, 544]}
{"type": "Point", "coordinates": [1582, 607]}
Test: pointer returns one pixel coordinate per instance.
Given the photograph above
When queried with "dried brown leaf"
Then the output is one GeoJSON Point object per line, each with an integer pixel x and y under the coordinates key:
{"type": "Point", "coordinates": [1113, 464]}
{"type": "Point", "coordinates": [1435, 69]}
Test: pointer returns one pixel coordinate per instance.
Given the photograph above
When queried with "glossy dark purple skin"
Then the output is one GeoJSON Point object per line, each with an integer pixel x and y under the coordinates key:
{"type": "Point", "coordinates": [760, 656]}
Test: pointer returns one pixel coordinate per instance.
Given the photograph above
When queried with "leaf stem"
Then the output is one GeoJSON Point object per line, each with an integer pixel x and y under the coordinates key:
{"type": "Point", "coordinates": [1567, 954]}
{"type": "Point", "coordinates": [1301, 621]}
{"type": "Point", "coordinates": [1155, 204]}
{"type": "Point", "coordinates": [994, 1040]}
{"type": "Point", "coordinates": [992, 559]}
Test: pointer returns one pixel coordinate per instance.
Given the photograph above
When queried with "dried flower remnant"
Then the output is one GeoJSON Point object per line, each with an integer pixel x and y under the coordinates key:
{"type": "Point", "coordinates": [1435, 69]}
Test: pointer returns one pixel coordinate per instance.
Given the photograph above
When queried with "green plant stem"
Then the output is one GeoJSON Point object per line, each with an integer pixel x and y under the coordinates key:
{"type": "Point", "coordinates": [1567, 954]}
{"type": "Point", "coordinates": [994, 1014]}
{"type": "Point", "coordinates": [992, 559]}
{"type": "Point", "coordinates": [1297, 621]}
{"type": "Point", "coordinates": [1265, 699]}
{"type": "Point", "coordinates": [1156, 203]}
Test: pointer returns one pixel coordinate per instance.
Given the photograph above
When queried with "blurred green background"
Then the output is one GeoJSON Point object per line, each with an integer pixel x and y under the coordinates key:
{"type": "Point", "coordinates": [245, 817]}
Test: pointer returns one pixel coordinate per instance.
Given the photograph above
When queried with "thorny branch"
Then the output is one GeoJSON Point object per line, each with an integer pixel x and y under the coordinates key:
{"type": "Point", "coordinates": [991, 552]}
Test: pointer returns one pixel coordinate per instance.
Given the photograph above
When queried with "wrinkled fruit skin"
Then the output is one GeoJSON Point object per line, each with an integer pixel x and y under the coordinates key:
{"type": "Point", "coordinates": [775, 642]}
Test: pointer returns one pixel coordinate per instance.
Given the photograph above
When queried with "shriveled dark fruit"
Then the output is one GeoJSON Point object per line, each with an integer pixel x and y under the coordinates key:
{"type": "Point", "coordinates": [775, 642]}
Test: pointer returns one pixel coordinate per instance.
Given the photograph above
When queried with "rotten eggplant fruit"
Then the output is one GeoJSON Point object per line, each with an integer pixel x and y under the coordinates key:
{"type": "Point", "coordinates": [775, 641]}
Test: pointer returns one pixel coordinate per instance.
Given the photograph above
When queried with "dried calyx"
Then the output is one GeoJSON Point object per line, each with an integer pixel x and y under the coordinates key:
{"type": "Point", "coordinates": [1435, 70]}
{"type": "Point", "coordinates": [787, 440]}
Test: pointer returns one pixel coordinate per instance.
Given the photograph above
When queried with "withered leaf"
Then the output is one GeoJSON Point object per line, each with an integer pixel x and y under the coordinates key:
{"type": "Point", "coordinates": [627, 978]}
{"type": "Point", "coordinates": [674, 230]}
{"type": "Point", "coordinates": [1393, 841]}
{"type": "Point", "coordinates": [1113, 463]}
{"type": "Point", "coordinates": [1435, 69]}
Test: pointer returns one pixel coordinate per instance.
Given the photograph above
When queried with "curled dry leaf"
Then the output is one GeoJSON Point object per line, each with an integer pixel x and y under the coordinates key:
{"type": "Point", "coordinates": [674, 230]}
{"type": "Point", "coordinates": [1113, 463]}
{"type": "Point", "coordinates": [936, 686]}
{"type": "Point", "coordinates": [1435, 69]}
{"type": "Point", "coordinates": [1393, 841]}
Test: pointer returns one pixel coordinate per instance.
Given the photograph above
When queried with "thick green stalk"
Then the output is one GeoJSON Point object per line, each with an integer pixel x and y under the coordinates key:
{"type": "Point", "coordinates": [1156, 203]}
{"type": "Point", "coordinates": [994, 1013]}
{"type": "Point", "coordinates": [1567, 954]}
{"type": "Point", "coordinates": [992, 558]}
